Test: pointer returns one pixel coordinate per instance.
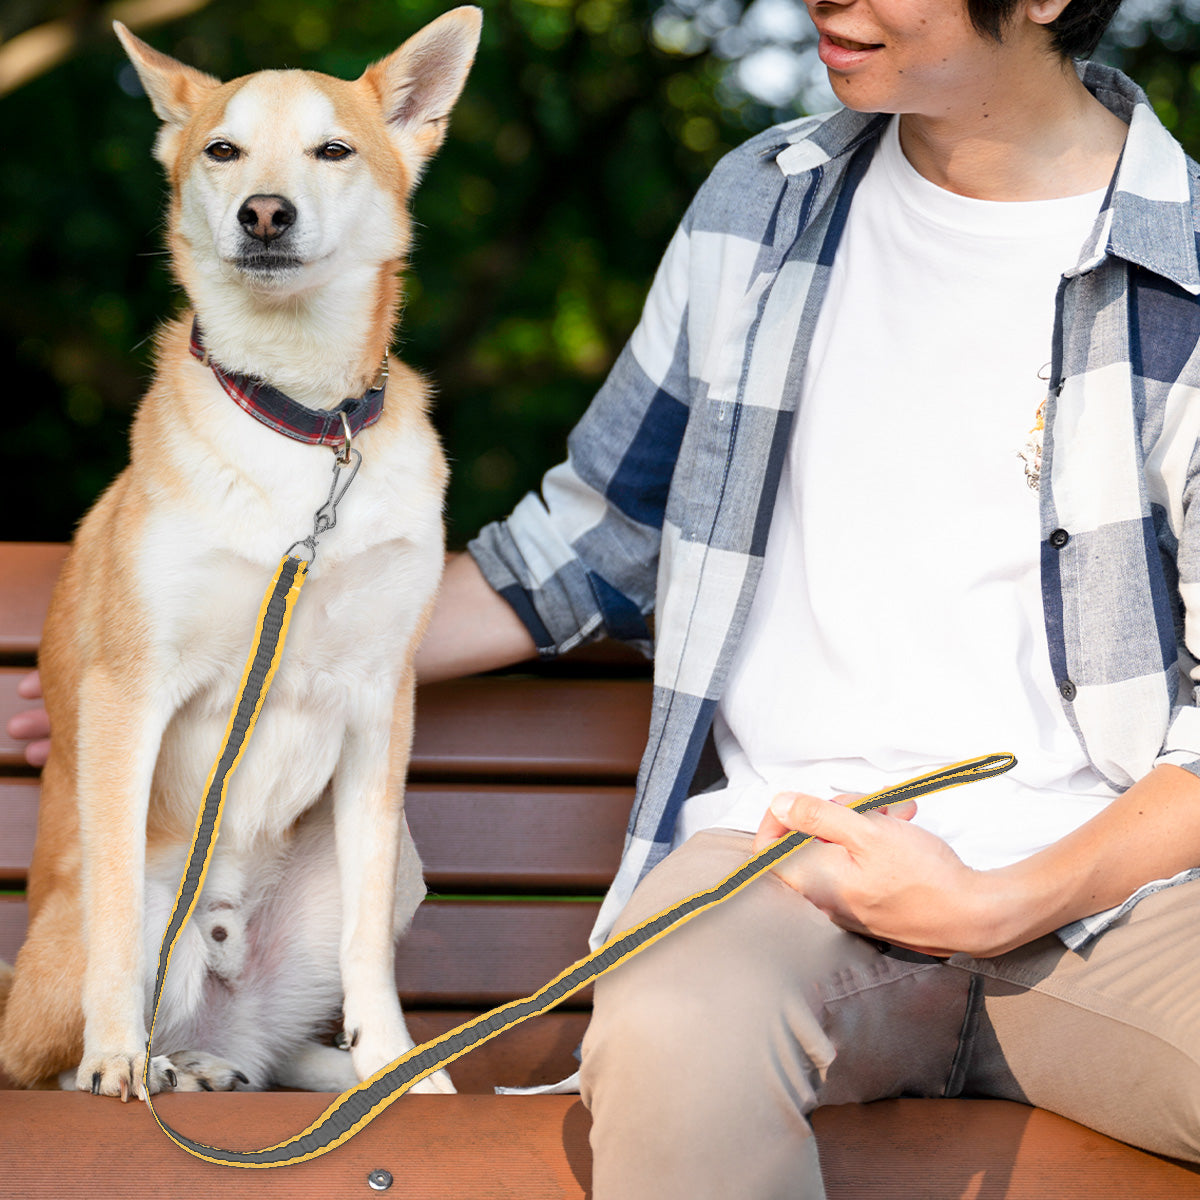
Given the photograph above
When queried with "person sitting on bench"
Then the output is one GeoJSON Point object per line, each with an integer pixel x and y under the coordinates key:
{"type": "Point", "coordinates": [902, 458]}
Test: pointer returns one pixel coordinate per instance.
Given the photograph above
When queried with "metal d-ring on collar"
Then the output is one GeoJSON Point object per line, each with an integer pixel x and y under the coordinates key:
{"type": "Point", "coordinates": [342, 454]}
{"type": "Point", "coordinates": [345, 457]}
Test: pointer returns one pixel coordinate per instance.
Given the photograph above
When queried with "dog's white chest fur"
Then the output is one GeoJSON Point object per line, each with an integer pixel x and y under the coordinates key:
{"type": "Point", "coordinates": [374, 574]}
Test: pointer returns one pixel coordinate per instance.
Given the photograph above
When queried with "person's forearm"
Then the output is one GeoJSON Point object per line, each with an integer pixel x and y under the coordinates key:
{"type": "Point", "coordinates": [1152, 831]}
{"type": "Point", "coordinates": [472, 629]}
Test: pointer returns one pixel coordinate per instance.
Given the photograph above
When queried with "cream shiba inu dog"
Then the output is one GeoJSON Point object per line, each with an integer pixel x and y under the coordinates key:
{"type": "Point", "coordinates": [288, 224]}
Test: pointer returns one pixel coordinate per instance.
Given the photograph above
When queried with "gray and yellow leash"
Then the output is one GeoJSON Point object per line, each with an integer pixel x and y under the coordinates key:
{"type": "Point", "coordinates": [354, 1109]}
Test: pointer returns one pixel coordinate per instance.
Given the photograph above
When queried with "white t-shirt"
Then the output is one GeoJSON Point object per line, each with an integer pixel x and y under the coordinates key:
{"type": "Point", "coordinates": [898, 624]}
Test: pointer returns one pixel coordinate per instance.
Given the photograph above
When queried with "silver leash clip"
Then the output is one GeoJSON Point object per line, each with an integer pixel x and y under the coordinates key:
{"type": "Point", "coordinates": [325, 518]}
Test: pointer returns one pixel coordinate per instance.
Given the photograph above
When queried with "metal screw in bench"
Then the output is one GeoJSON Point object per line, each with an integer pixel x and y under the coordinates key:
{"type": "Point", "coordinates": [380, 1180]}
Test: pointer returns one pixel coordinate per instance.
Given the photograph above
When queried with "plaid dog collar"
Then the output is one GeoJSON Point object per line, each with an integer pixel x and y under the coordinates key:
{"type": "Point", "coordinates": [317, 427]}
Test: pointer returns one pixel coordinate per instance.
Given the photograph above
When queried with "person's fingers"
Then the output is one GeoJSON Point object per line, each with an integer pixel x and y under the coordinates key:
{"type": "Point", "coordinates": [33, 723]}
{"type": "Point", "coordinates": [826, 820]}
{"type": "Point", "coordinates": [36, 753]}
{"type": "Point", "coordinates": [30, 687]}
{"type": "Point", "coordinates": [772, 827]}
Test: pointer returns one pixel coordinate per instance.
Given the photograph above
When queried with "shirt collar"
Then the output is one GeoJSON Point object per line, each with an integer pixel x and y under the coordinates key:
{"type": "Point", "coordinates": [1147, 218]}
{"type": "Point", "coordinates": [1147, 215]}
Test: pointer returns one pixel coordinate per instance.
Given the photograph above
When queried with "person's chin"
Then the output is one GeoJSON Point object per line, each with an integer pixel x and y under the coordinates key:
{"type": "Point", "coordinates": [853, 95]}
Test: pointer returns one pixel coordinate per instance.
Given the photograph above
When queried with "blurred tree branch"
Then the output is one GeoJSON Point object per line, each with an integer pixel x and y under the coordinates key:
{"type": "Point", "coordinates": [41, 48]}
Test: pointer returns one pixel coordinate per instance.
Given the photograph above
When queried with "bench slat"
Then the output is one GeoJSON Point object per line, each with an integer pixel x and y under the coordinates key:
{"type": "Point", "coordinates": [481, 953]}
{"type": "Point", "coordinates": [461, 953]}
{"type": "Point", "coordinates": [18, 827]}
{"type": "Point", "coordinates": [500, 838]}
{"type": "Point", "coordinates": [28, 571]}
{"type": "Point", "coordinates": [551, 728]}
{"type": "Point", "coordinates": [563, 728]}
{"type": "Point", "coordinates": [535, 1147]}
{"type": "Point", "coordinates": [517, 838]}
{"type": "Point", "coordinates": [536, 1052]}
{"type": "Point", "coordinates": [436, 1147]}
{"type": "Point", "coordinates": [27, 574]}
{"type": "Point", "coordinates": [943, 1149]}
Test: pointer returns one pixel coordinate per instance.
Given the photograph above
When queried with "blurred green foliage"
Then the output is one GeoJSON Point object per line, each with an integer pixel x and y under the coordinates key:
{"type": "Point", "coordinates": [572, 154]}
{"type": "Point", "coordinates": [1170, 74]}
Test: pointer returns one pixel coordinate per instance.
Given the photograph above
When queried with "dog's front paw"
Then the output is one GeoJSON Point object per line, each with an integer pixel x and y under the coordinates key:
{"type": "Point", "coordinates": [372, 1055]}
{"type": "Point", "coordinates": [376, 1046]}
{"type": "Point", "coordinates": [110, 1074]}
{"type": "Point", "coordinates": [194, 1071]}
{"type": "Point", "coordinates": [438, 1082]}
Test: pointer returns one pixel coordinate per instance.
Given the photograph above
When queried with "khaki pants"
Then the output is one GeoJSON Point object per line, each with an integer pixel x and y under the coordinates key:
{"type": "Point", "coordinates": [708, 1050]}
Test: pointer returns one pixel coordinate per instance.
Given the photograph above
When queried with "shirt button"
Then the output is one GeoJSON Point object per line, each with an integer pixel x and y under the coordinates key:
{"type": "Point", "coordinates": [1059, 538]}
{"type": "Point", "coordinates": [1066, 690]}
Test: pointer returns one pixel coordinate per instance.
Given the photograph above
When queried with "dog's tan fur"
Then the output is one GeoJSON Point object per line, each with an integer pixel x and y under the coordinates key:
{"type": "Point", "coordinates": [151, 619]}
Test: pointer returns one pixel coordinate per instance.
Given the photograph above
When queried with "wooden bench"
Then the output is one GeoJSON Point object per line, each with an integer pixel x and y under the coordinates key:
{"type": "Point", "coordinates": [520, 787]}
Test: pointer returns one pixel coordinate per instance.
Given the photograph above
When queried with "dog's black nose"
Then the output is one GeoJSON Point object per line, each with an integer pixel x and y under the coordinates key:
{"type": "Point", "coordinates": [266, 217]}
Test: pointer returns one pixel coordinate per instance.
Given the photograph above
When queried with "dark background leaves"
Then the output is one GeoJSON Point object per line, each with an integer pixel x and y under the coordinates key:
{"type": "Point", "coordinates": [572, 154]}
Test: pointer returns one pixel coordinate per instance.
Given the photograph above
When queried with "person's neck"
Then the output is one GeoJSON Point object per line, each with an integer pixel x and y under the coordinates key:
{"type": "Point", "coordinates": [1053, 139]}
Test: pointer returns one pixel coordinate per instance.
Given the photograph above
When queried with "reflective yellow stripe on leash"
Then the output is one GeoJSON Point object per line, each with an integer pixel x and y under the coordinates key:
{"type": "Point", "coordinates": [354, 1109]}
{"type": "Point", "coordinates": [261, 664]}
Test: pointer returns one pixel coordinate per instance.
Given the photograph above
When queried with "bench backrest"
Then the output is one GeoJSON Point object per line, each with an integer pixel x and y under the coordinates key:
{"type": "Point", "coordinates": [519, 789]}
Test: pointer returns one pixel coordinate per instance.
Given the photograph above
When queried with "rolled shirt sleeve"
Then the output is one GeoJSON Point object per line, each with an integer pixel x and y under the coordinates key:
{"type": "Point", "coordinates": [579, 560]}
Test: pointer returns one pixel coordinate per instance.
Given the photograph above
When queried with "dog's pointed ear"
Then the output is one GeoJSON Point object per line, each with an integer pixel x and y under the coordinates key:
{"type": "Point", "coordinates": [418, 84]}
{"type": "Point", "coordinates": [174, 89]}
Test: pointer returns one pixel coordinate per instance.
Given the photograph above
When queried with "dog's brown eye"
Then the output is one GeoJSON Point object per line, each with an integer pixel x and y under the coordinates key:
{"type": "Point", "coordinates": [222, 151]}
{"type": "Point", "coordinates": [334, 151]}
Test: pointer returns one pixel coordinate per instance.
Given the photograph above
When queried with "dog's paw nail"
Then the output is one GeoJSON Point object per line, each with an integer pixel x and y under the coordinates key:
{"type": "Point", "coordinates": [172, 1078]}
{"type": "Point", "coordinates": [241, 1078]}
{"type": "Point", "coordinates": [342, 1040]}
{"type": "Point", "coordinates": [205, 1085]}
{"type": "Point", "coordinates": [96, 1083]}
{"type": "Point", "coordinates": [354, 1038]}
{"type": "Point", "coordinates": [124, 1086]}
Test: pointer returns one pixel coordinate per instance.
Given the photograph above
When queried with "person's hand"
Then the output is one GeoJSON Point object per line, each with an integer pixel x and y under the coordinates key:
{"type": "Point", "coordinates": [33, 725]}
{"type": "Point", "coordinates": [878, 875]}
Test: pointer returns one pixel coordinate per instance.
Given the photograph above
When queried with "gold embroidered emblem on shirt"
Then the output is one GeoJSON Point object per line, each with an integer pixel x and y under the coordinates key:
{"type": "Point", "coordinates": [1031, 453]}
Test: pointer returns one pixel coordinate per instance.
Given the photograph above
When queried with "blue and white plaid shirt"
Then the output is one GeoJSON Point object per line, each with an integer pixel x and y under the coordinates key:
{"type": "Point", "coordinates": [664, 502]}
